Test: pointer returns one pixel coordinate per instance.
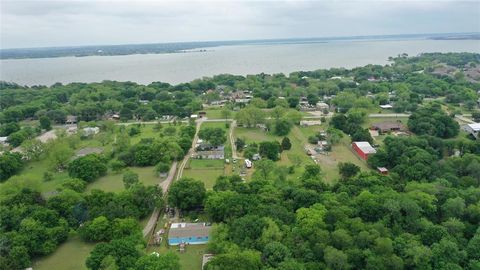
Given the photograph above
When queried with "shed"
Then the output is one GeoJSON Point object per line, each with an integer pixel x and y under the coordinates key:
{"type": "Point", "coordinates": [248, 163]}
{"type": "Point", "coordinates": [382, 170]}
{"type": "Point", "coordinates": [386, 106]}
{"type": "Point", "coordinates": [71, 119]}
{"type": "Point", "coordinates": [188, 233]}
{"type": "Point", "coordinates": [363, 149]}
{"type": "Point", "coordinates": [202, 114]}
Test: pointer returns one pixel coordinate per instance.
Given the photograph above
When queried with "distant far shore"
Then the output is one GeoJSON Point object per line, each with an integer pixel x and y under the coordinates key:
{"type": "Point", "coordinates": [182, 47]}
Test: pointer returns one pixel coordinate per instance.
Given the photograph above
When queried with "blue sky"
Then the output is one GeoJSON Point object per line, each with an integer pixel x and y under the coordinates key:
{"type": "Point", "coordinates": [68, 23]}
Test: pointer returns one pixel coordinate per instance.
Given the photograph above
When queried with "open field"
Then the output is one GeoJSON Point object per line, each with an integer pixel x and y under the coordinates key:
{"type": "Point", "coordinates": [113, 181]}
{"type": "Point", "coordinates": [207, 175]}
{"type": "Point", "coordinates": [341, 152]}
{"type": "Point", "coordinates": [70, 255]}
{"type": "Point", "coordinates": [214, 125]}
{"type": "Point", "coordinates": [216, 113]}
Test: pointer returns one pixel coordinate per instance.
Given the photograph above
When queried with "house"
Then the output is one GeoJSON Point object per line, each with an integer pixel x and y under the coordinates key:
{"type": "Point", "coordinates": [322, 106]}
{"type": "Point", "coordinates": [3, 140]}
{"type": "Point", "coordinates": [88, 150]}
{"type": "Point", "coordinates": [382, 170]}
{"type": "Point", "coordinates": [88, 131]}
{"type": "Point", "coordinates": [256, 157]}
{"type": "Point", "coordinates": [307, 123]}
{"type": "Point", "coordinates": [188, 233]}
{"type": "Point", "coordinates": [388, 126]}
{"type": "Point", "coordinates": [248, 163]}
{"type": "Point", "coordinates": [202, 114]}
{"type": "Point", "coordinates": [473, 129]}
{"type": "Point", "coordinates": [71, 120]}
{"type": "Point", "coordinates": [363, 149]}
{"type": "Point", "coordinates": [194, 116]}
{"type": "Point", "coordinates": [207, 151]}
{"type": "Point", "coordinates": [386, 106]}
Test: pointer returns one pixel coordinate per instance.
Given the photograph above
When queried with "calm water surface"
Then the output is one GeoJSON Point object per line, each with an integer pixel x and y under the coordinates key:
{"type": "Point", "coordinates": [183, 67]}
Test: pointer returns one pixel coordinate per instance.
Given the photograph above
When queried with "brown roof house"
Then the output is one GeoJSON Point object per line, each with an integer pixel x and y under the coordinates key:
{"type": "Point", "coordinates": [385, 127]}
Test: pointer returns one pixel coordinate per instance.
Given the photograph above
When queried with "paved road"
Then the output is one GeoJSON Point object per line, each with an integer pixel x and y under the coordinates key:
{"type": "Point", "coordinates": [462, 118]}
{"type": "Point", "coordinates": [191, 151]}
{"type": "Point", "coordinates": [380, 115]}
{"type": "Point", "coordinates": [165, 185]}
{"type": "Point", "coordinates": [232, 142]}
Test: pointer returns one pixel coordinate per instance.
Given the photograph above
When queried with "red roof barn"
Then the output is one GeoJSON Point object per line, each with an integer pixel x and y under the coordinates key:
{"type": "Point", "coordinates": [363, 149]}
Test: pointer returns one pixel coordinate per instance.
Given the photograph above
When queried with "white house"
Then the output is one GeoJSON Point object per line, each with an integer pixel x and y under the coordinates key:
{"type": "Point", "coordinates": [248, 163]}
{"type": "Point", "coordinates": [88, 131]}
{"type": "Point", "coordinates": [473, 129]}
{"type": "Point", "coordinates": [3, 140]}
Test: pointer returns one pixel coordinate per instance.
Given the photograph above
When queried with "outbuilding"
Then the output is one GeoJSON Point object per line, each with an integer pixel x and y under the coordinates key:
{"type": "Point", "coordinates": [188, 233]}
{"type": "Point", "coordinates": [382, 170]}
{"type": "Point", "coordinates": [473, 129]}
{"type": "Point", "coordinates": [363, 149]}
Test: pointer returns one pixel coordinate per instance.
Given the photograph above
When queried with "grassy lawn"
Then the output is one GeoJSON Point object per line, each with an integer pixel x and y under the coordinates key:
{"type": "Point", "coordinates": [191, 259]}
{"type": "Point", "coordinates": [113, 181]}
{"type": "Point", "coordinates": [208, 175]}
{"type": "Point", "coordinates": [69, 255]}
{"type": "Point", "coordinates": [206, 163]}
{"type": "Point", "coordinates": [214, 125]}
{"type": "Point", "coordinates": [341, 152]}
{"type": "Point", "coordinates": [216, 113]}
{"type": "Point", "coordinates": [254, 135]}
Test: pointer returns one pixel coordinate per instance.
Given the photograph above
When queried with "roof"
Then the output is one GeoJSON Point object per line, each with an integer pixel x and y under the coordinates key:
{"type": "Point", "coordinates": [388, 125]}
{"type": "Point", "coordinates": [382, 169]}
{"type": "Point", "coordinates": [387, 106]}
{"type": "Point", "coordinates": [89, 150]}
{"type": "Point", "coordinates": [365, 147]}
{"type": "Point", "coordinates": [181, 230]}
{"type": "Point", "coordinates": [474, 126]}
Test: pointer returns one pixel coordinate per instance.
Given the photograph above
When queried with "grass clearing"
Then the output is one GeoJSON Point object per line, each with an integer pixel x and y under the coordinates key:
{"type": "Point", "coordinates": [113, 182]}
{"type": "Point", "coordinates": [70, 255]}
{"type": "Point", "coordinates": [191, 259]}
{"type": "Point", "coordinates": [207, 176]}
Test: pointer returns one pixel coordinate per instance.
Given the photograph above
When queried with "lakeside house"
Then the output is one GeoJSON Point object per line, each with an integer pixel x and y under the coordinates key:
{"type": "Point", "coordinates": [188, 233]}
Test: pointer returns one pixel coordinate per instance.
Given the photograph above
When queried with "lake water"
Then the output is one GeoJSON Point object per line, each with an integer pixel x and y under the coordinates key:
{"type": "Point", "coordinates": [242, 60]}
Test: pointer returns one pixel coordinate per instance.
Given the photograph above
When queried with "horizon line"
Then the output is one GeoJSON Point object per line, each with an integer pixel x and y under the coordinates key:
{"type": "Point", "coordinates": [243, 40]}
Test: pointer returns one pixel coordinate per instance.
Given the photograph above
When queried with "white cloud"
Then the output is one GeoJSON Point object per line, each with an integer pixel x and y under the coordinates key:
{"type": "Point", "coordinates": [57, 23]}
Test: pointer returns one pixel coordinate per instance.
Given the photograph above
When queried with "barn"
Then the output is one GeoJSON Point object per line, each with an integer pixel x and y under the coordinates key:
{"type": "Point", "coordinates": [363, 149]}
